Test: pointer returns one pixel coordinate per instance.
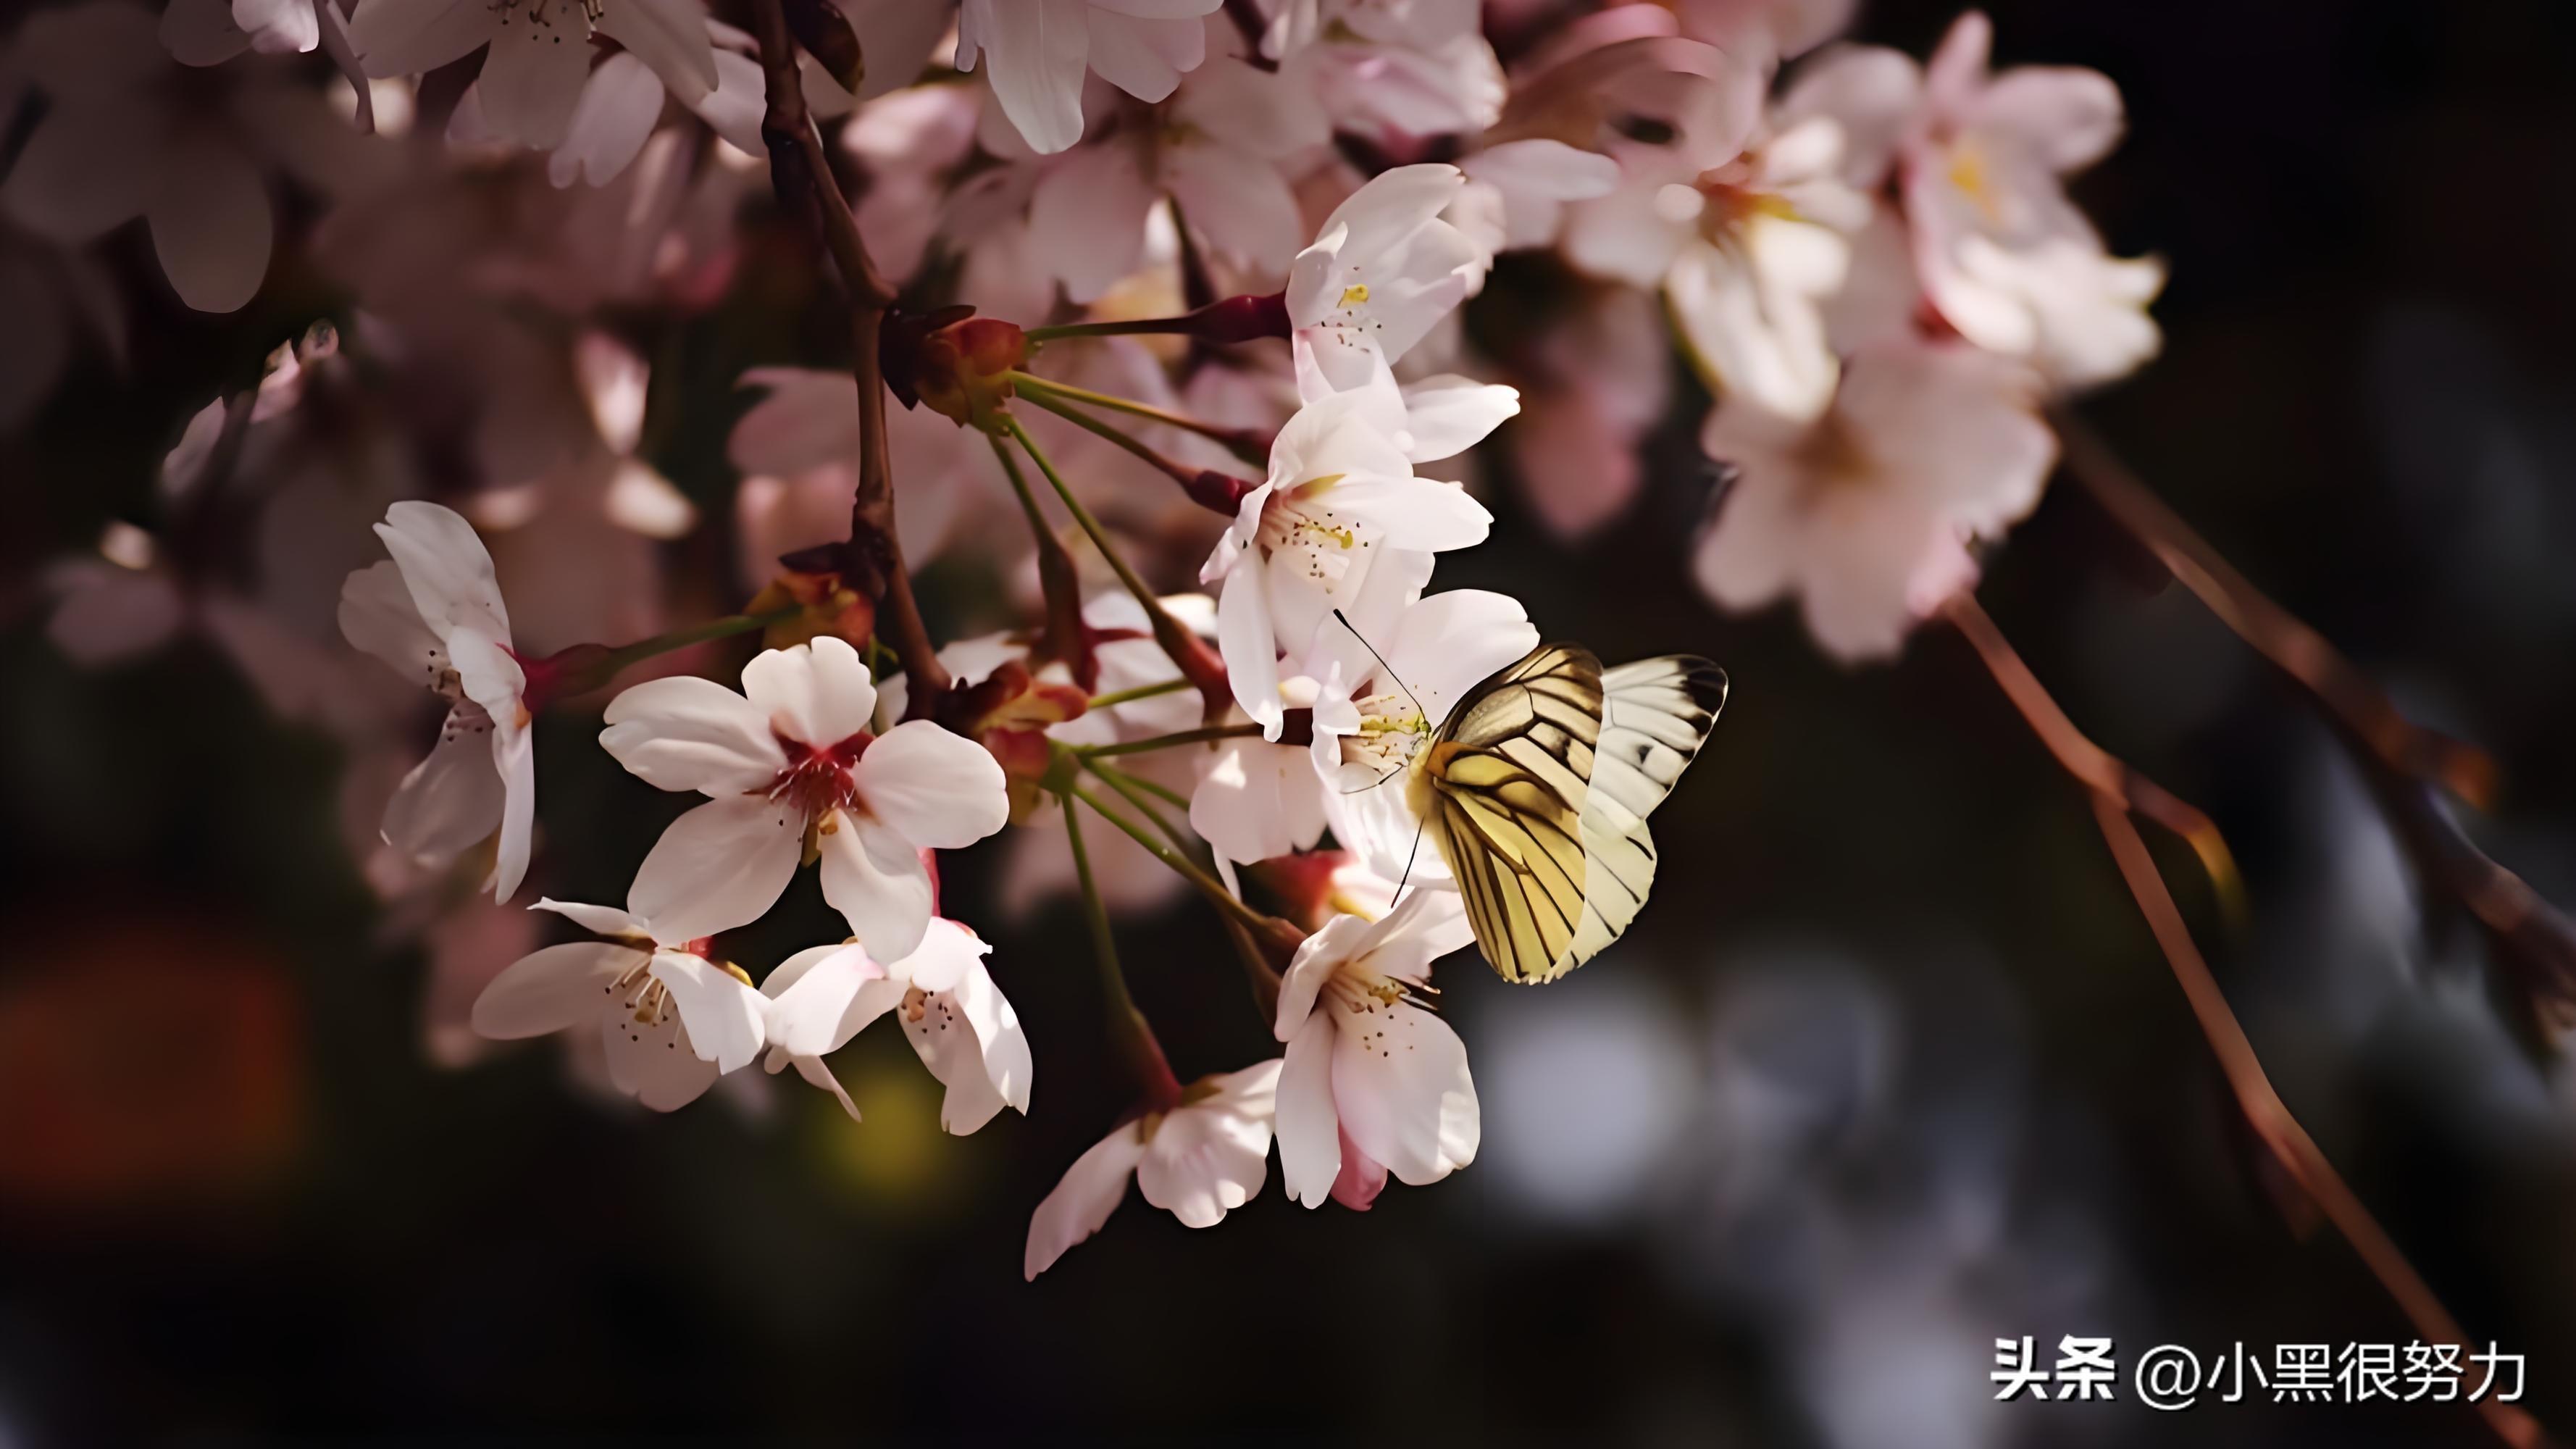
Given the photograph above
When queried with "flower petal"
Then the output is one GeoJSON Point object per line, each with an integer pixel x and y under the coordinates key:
{"type": "Point", "coordinates": [811, 994]}
{"type": "Point", "coordinates": [1035, 54]}
{"type": "Point", "coordinates": [1401, 1086]}
{"type": "Point", "coordinates": [938, 790]}
{"type": "Point", "coordinates": [1310, 1131]}
{"type": "Point", "coordinates": [876, 880]}
{"type": "Point", "coordinates": [618, 107]}
{"type": "Point", "coordinates": [1091, 1190]}
{"type": "Point", "coordinates": [447, 569]}
{"type": "Point", "coordinates": [686, 733]}
{"type": "Point", "coordinates": [451, 801]}
{"type": "Point", "coordinates": [553, 990]}
{"type": "Point", "coordinates": [1205, 1160]}
{"type": "Point", "coordinates": [818, 693]}
{"type": "Point", "coordinates": [723, 1013]}
{"type": "Point", "coordinates": [720, 866]}
{"type": "Point", "coordinates": [210, 223]}
{"type": "Point", "coordinates": [1091, 208]}
{"type": "Point", "coordinates": [411, 37]}
{"type": "Point", "coordinates": [532, 77]}
{"type": "Point", "coordinates": [668, 35]}
{"type": "Point", "coordinates": [603, 920]}
{"type": "Point", "coordinates": [514, 761]}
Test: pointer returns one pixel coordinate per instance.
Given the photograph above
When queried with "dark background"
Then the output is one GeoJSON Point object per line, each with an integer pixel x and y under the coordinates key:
{"type": "Point", "coordinates": [1891, 1068]}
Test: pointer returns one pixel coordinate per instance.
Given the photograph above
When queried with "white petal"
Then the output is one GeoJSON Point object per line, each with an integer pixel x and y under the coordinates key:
{"type": "Point", "coordinates": [410, 37]}
{"type": "Point", "coordinates": [1204, 1161]}
{"type": "Point", "coordinates": [1035, 53]}
{"type": "Point", "coordinates": [618, 107]}
{"type": "Point", "coordinates": [514, 762]}
{"type": "Point", "coordinates": [668, 35]}
{"type": "Point", "coordinates": [1240, 201]}
{"type": "Point", "coordinates": [876, 880]}
{"type": "Point", "coordinates": [605, 920]}
{"type": "Point", "coordinates": [552, 990]}
{"type": "Point", "coordinates": [447, 569]}
{"type": "Point", "coordinates": [723, 1013]}
{"type": "Point", "coordinates": [210, 223]}
{"type": "Point", "coordinates": [937, 789]}
{"type": "Point", "coordinates": [686, 733]}
{"type": "Point", "coordinates": [532, 77]}
{"type": "Point", "coordinates": [1415, 513]}
{"type": "Point", "coordinates": [451, 801]}
{"type": "Point", "coordinates": [1144, 58]}
{"type": "Point", "coordinates": [720, 866]}
{"type": "Point", "coordinates": [947, 952]}
{"type": "Point", "coordinates": [948, 1035]}
{"type": "Point", "coordinates": [1091, 209]}
{"type": "Point", "coordinates": [655, 1061]}
{"type": "Point", "coordinates": [1250, 651]}
{"type": "Point", "coordinates": [1091, 1190]}
{"type": "Point", "coordinates": [1310, 1131]}
{"type": "Point", "coordinates": [1400, 1082]}
{"type": "Point", "coordinates": [818, 693]}
{"type": "Point", "coordinates": [280, 27]}
{"type": "Point", "coordinates": [810, 993]}
{"type": "Point", "coordinates": [1258, 800]}
{"type": "Point", "coordinates": [1448, 414]}
{"type": "Point", "coordinates": [378, 617]}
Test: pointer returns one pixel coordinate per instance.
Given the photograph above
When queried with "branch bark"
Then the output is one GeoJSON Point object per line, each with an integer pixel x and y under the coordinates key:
{"type": "Point", "coordinates": [801, 173]}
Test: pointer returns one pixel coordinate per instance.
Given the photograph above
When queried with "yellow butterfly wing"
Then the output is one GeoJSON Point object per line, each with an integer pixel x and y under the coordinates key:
{"type": "Point", "coordinates": [1540, 785]}
{"type": "Point", "coordinates": [1509, 773]}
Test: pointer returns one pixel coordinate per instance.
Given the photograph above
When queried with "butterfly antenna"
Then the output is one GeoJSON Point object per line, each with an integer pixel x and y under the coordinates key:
{"type": "Point", "coordinates": [1408, 862]}
{"type": "Point", "coordinates": [1382, 664]}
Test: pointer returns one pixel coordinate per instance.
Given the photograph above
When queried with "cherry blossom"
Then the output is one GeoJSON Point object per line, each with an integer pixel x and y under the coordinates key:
{"type": "Point", "coordinates": [1198, 1160]}
{"type": "Point", "coordinates": [1340, 499]}
{"type": "Point", "coordinates": [1864, 512]}
{"type": "Point", "coordinates": [672, 1018]}
{"type": "Point", "coordinates": [1381, 272]}
{"type": "Point", "coordinates": [1036, 52]}
{"type": "Point", "coordinates": [1395, 69]}
{"type": "Point", "coordinates": [791, 765]}
{"type": "Point", "coordinates": [434, 615]}
{"type": "Point", "coordinates": [956, 1018]}
{"type": "Point", "coordinates": [537, 70]}
{"type": "Point", "coordinates": [1374, 1081]}
{"type": "Point", "coordinates": [2006, 257]}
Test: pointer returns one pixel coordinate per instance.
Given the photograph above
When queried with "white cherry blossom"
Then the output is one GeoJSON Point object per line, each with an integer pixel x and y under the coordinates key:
{"type": "Point", "coordinates": [1864, 512]}
{"type": "Point", "coordinates": [1198, 1161]}
{"type": "Point", "coordinates": [1036, 52]}
{"type": "Point", "coordinates": [2005, 256]}
{"type": "Point", "coordinates": [1381, 273]}
{"type": "Point", "coordinates": [793, 761]}
{"type": "Point", "coordinates": [956, 1018]}
{"type": "Point", "coordinates": [1341, 498]}
{"type": "Point", "coordinates": [434, 615]}
{"type": "Point", "coordinates": [672, 1018]}
{"type": "Point", "coordinates": [537, 71]}
{"type": "Point", "coordinates": [1374, 1081]}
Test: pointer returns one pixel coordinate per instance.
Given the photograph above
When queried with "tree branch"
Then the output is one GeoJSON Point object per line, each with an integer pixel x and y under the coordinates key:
{"type": "Point", "coordinates": [2116, 790]}
{"type": "Point", "coordinates": [801, 172]}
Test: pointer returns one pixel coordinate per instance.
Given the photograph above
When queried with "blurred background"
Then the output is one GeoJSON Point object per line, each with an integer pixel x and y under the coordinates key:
{"type": "Point", "coordinates": [1890, 1069]}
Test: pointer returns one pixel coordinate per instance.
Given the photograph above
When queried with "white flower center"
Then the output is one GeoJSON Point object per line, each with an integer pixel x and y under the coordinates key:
{"type": "Point", "coordinates": [1366, 1000]}
{"type": "Point", "coordinates": [640, 1006]}
{"type": "Point", "coordinates": [1319, 541]}
{"type": "Point", "coordinates": [1392, 729]}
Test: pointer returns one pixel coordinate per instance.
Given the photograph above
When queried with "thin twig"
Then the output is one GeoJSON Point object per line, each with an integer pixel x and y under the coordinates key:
{"type": "Point", "coordinates": [2272, 1121]}
{"type": "Point", "coordinates": [2299, 651]}
{"type": "Point", "coordinates": [1067, 638]}
{"type": "Point", "coordinates": [2088, 762]}
{"type": "Point", "coordinates": [1250, 444]}
{"type": "Point", "coordinates": [1219, 493]}
{"type": "Point", "coordinates": [1202, 735]}
{"type": "Point", "coordinates": [2115, 791]}
{"type": "Point", "coordinates": [797, 155]}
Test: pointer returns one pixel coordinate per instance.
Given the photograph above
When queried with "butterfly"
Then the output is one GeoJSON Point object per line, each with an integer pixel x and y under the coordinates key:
{"type": "Point", "coordinates": [1536, 789]}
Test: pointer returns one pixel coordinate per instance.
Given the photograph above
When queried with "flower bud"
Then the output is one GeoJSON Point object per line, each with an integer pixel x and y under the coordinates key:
{"type": "Point", "coordinates": [964, 370]}
{"type": "Point", "coordinates": [825, 604]}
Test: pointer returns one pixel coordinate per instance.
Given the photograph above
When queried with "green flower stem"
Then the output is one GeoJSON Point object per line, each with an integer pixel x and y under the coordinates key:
{"type": "Point", "coordinates": [1058, 582]}
{"type": "Point", "coordinates": [1170, 741]}
{"type": "Point", "coordinates": [1242, 442]}
{"type": "Point", "coordinates": [1127, 1026]}
{"type": "Point", "coordinates": [1207, 884]}
{"type": "Point", "coordinates": [1126, 784]}
{"type": "Point", "coordinates": [1142, 691]}
{"type": "Point", "coordinates": [1200, 664]}
{"type": "Point", "coordinates": [617, 660]}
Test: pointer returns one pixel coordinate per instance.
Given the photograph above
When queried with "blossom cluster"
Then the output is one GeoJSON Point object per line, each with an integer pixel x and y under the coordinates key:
{"type": "Point", "coordinates": [1139, 252]}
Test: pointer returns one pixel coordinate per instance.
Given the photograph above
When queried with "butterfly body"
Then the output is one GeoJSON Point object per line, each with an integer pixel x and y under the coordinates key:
{"type": "Point", "coordinates": [1536, 790]}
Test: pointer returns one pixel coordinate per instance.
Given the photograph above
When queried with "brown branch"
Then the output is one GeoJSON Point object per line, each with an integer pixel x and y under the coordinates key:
{"type": "Point", "coordinates": [2401, 760]}
{"type": "Point", "coordinates": [2116, 790]}
{"type": "Point", "coordinates": [801, 172]}
{"type": "Point", "coordinates": [2097, 768]}
{"type": "Point", "coordinates": [2299, 651]}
